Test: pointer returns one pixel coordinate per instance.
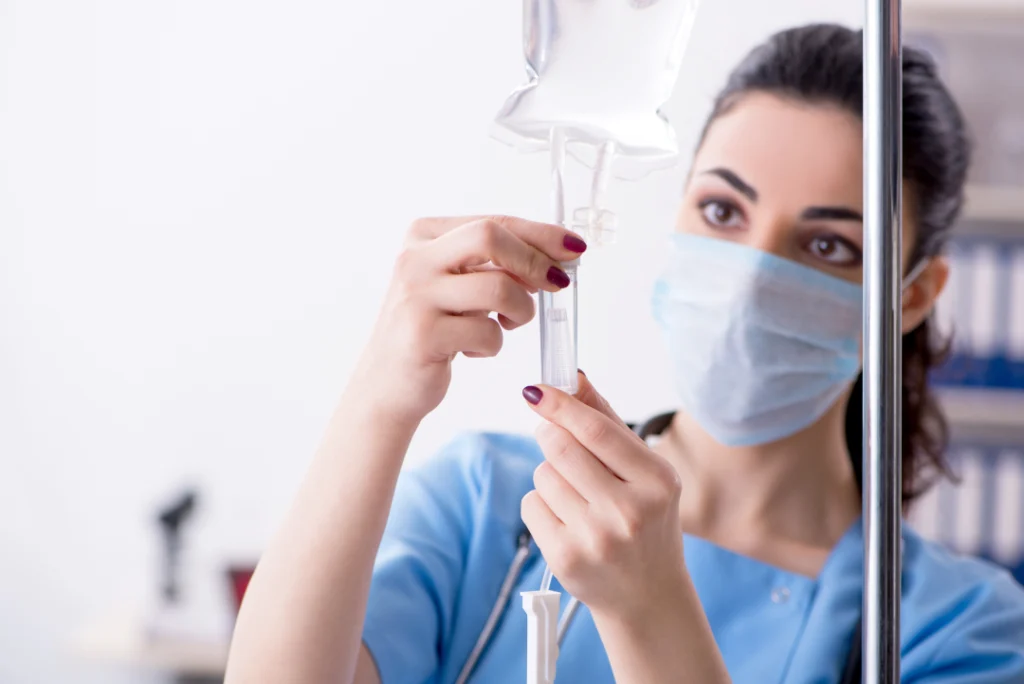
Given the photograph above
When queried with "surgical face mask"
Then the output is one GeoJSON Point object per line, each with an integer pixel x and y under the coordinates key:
{"type": "Point", "coordinates": [761, 346]}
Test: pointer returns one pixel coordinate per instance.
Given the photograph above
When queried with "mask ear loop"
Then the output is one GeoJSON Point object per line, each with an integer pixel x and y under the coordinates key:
{"type": "Point", "coordinates": [925, 261]}
{"type": "Point", "coordinates": [914, 274]}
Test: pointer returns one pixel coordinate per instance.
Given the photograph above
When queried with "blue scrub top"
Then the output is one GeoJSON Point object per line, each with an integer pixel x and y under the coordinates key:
{"type": "Point", "coordinates": [452, 534]}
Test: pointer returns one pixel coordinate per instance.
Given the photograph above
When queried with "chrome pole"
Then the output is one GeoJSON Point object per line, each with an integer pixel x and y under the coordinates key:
{"type": "Point", "coordinates": [883, 368]}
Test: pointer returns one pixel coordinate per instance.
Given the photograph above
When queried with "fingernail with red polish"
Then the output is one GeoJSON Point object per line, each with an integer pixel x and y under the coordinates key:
{"type": "Point", "coordinates": [557, 276]}
{"type": "Point", "coordinates": [581, 372]}
{"type": "Point", "coordinates": [574, 244]}
{"type": "Point", "coordinates": [533, 394]}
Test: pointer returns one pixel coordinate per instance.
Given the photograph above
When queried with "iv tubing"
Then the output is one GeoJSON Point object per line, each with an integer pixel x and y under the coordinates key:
{"type": "Point", "coordinates": [558, 176]}
{"type": "Point", "coordinates": [545, 580]}
{"type": "Point", "coordinates": [602, 172]}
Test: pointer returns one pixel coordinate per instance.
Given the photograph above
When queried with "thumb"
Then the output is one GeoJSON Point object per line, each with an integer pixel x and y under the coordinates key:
{"type": "Point", "coordinates": [590, 396]}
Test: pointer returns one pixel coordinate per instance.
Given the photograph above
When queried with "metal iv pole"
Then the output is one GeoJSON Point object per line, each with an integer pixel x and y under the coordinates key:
{"type": "Point", "coordinates": [883, 368]}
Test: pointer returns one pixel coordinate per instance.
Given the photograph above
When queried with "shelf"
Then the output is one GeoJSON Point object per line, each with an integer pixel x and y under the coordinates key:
{"type": "Point", "coordinates": [989, 413]}
{"type": "Point", "coordinates": [985, 10]}
{"type": "Point", "coordinates": [121, 640]}
{"type": "Point", "coordinates": [992, 203]}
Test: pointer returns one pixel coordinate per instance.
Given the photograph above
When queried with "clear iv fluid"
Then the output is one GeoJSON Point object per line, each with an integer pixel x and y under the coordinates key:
{"type": "Point", "coordinates": [600, 70]}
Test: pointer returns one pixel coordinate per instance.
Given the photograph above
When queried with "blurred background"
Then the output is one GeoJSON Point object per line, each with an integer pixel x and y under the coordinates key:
{"type": "Point", "coordinates": [200, 203]}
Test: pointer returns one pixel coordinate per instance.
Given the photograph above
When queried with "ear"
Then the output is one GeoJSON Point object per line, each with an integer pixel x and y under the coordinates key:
{"type": "Point", "coordinates": [920, 296]}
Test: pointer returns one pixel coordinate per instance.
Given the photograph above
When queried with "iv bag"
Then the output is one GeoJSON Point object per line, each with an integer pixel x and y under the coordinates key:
{"type": "Point", "coordinates": [599, 70]}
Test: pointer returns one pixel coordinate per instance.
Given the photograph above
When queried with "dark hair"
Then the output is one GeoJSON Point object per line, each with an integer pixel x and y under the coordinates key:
{"type": "Point", "coordinates": [822, 63]}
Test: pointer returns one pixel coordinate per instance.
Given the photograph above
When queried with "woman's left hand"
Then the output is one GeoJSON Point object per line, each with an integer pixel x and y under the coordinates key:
{"type": "Point", "coordinates": [605, 511]}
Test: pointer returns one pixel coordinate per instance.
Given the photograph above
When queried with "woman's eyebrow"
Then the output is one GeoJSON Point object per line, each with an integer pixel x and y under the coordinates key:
{"type": "Point", "coordinates": [831, 214]}
{"type": "Point", "coordinates": [735, 181]}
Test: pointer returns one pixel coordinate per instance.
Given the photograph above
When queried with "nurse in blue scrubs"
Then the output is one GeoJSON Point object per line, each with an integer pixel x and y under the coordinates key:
{"type": "Point", "coordinates": [726, 549]}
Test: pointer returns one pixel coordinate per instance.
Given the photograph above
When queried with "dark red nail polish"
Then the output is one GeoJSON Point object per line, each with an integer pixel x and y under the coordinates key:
{"type": "Point", "coordinates": [581, 372]}
{"type": "Point", "coordinates": [533, 394]}
{"type": "Point", "coordinates": [557, 276]}
{"type": "Point", "coordinates": [574, 244]}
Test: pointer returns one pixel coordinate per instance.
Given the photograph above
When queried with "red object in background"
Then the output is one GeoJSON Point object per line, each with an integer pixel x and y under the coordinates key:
{"type": "Point", "coordinates": [239, 577]}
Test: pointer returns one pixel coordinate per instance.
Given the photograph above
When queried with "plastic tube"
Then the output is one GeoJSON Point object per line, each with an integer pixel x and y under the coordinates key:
{"type": "Point", "coordinates": [558, 319]}
{"type": "Point", "coordinates": [545, 580]}
{"type": "Point", "coordinates": [595, 222]}
{"type": "Point", "coordinates": [558, 336]}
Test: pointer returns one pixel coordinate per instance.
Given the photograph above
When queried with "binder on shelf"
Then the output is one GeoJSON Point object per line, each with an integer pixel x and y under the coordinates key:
{"type": "Point", "coordinates": [1008, 509]}
{"type": "Point", "coordinates": [983, 307]}
{"type": "Point", "coordinates": [1015, 297]}
{"type": "Point", "coordinates": [986, 323]}
{"type": "Point", "coordinates": [983, 513]}
{"type": "Point", "coordinates": [953, 308]}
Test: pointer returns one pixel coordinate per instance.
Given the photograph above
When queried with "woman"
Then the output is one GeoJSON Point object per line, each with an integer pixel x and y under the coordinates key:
{"type": "Point", "coordinates": [730, 549]}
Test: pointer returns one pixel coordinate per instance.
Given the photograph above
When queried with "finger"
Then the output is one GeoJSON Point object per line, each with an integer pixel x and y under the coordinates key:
{"type": "Point", "coordinates": [431, 228]}
{"type": "Point", "coordinates": [581, 469]}
{"type": "Point", "coordinates": [555, 241]}
{"type": "Point", "coordinates": [478, 336]}
{"type": "Point", "coordinates": [513, 276]}
{"type": "Point", "coordinates": [506, 323]}
{"type": "Point", "coordinates": [544, 526]}
{"type": "Point", "coordinates": [592, 398]}
{"type": "Point", "coordinates": [482, 242]}
{"type": "Point", "coordinates": [560, 496]}
{"type": "Point", "coordinates": [559, 244]}
{"type": "Point", "coordinates": [473, 354]}
{"type": "Point", "coordinates": [529, 288]}
{"type": "Point", "coordinates": [484, 292]}
{"type": "Point", "coordinates": [613, 444]}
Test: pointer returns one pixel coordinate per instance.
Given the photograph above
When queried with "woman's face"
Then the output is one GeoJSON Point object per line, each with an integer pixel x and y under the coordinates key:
{"type": "Point", "coordinates": [784, 177]}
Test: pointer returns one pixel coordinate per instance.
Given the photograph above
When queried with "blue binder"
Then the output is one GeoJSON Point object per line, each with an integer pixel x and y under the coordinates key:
{"type": "Point", "coordinates": [984, 301]}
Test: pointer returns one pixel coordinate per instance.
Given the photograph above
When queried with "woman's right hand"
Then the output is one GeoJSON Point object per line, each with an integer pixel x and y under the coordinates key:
{"type": "Point", "coordinates": [452, 274]}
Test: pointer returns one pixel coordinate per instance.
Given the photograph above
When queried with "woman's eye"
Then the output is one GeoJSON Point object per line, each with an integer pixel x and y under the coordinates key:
{"type": "Point", "coordinates": [721, 214]}
{"type": "Point", "coordinates": [835, 250]}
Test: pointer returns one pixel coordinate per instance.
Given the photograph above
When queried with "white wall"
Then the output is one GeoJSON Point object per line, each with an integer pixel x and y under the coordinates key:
{"type": "Point", "coordinates": [199, 205]}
